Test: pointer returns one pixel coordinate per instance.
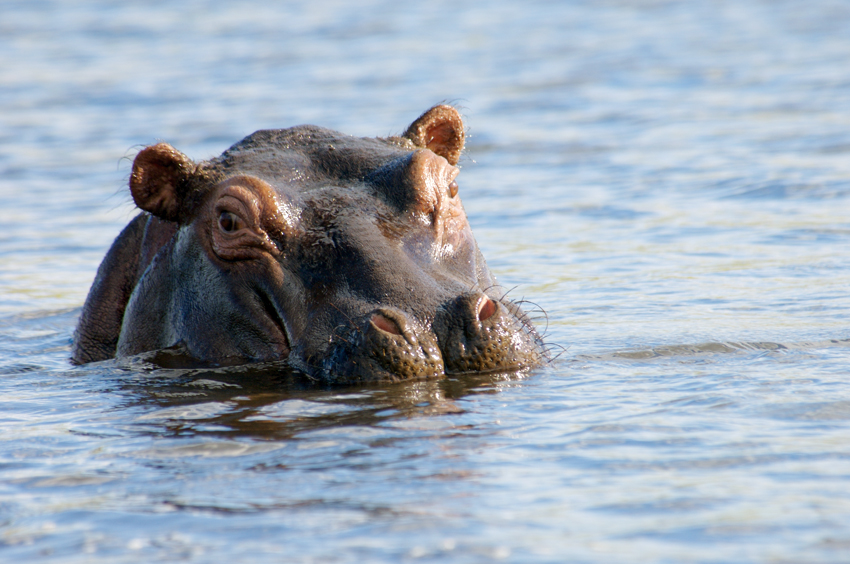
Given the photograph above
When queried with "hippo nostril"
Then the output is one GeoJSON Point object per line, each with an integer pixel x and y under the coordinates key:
{"type": "Point", "coordinates": [486, 309]}
{"type": "Point", "coordinates": [385, 324]}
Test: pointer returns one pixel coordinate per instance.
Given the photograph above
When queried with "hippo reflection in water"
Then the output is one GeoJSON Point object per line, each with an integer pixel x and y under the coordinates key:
{"type": "Point", "coordinates": [351, 258]}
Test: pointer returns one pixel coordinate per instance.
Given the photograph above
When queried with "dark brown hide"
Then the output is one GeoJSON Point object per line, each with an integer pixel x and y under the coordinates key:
{"type": "Point", "coordinates": [349, 258]}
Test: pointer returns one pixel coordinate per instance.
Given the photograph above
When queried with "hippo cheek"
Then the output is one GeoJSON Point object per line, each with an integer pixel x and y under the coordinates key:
{"type": "Point", "coordinates": [386, 346]}
{"type": "Point", "coordinates": [239, 322]}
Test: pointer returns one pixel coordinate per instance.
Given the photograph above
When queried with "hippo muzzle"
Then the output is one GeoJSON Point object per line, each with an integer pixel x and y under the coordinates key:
{"type": "Point", "coordinates": [471, 334]}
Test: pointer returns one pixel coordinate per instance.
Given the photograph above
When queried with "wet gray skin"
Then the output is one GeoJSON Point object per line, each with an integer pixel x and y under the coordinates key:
{"type": "Point", "coordinates": [350, 258]}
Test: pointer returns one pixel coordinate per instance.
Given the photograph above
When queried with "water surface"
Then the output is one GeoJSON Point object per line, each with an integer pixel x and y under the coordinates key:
{"type": "Point", "coordinates": [669, 181]}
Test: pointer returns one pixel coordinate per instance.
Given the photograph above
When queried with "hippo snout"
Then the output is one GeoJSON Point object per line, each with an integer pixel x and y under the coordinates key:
{"type": "Point", "coordinates": [480, 334]}
{"type": "Point", "coordinates": [473, 333]}
{"type": "Point", "coordinates": [385, 345]}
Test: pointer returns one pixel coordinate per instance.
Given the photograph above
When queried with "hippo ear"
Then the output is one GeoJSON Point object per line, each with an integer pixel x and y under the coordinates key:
{"type": "Point", "coordinates": [158, 180]}
{"type": "Point", "coordinates": [439, 129]}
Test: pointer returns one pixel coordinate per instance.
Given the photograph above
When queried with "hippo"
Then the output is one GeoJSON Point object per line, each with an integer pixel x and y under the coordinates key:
{"type": "Point", "coordinates": [347, 259]}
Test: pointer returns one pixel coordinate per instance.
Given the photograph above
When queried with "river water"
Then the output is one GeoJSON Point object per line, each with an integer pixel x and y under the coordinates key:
{"type": "Point", "coordinates": [668, 181]}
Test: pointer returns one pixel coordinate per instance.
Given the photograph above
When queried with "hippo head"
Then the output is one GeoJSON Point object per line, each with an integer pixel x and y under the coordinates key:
{"type": "Point", "coordinates": [351, 258]}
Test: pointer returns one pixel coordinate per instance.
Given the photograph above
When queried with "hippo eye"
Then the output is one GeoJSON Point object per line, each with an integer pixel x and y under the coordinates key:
{"type": "Point", "coordinates": [453, 189]}
{"type": "Point", "coordinates": [230, 222]}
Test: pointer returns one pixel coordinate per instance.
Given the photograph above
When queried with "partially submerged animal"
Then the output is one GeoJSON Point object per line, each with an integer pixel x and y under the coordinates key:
{"type": "Point", "coordinates": [350, 258]}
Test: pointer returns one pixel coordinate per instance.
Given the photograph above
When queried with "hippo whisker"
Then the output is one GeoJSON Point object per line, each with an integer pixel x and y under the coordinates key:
{"type": "Point", "coordinates": [536, 308]}
{"type": "Point", "coordinates": [548, 352]}
{"type": "Point", "coordinates": [505, 295]}
{"type": "Point", "coordinates": [492, 286]}
{"type": "Point", "coordinates": [347, 318]}
{"type": "Point", "coordinates": [334, 333]}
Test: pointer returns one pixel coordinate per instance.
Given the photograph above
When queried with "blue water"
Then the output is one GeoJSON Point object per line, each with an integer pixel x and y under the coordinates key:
{"type": "Point", "coordinates": [669, 181]}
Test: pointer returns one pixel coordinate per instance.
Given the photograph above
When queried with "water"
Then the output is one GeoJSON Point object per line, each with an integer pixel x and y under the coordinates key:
{"type": "Point", "coordinates": [669, 181]}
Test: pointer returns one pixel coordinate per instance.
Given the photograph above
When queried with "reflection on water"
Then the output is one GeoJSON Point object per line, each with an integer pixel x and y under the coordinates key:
{"type": "Point", "coordinates": [268, 402]}
{"type": "Point", "coordinates": [669, 181]}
